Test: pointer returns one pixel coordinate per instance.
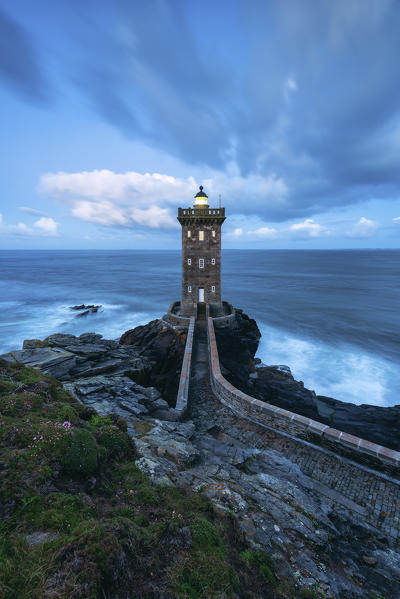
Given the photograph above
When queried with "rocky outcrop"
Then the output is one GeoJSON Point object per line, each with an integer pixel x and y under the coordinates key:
{"type": "Point", "coordinates": [320, 546]}
{"type": "Point", "coordinates": [276, 385]}
{"type": "Point", "coordinates": [315, 542]}
{"type": "Point", "coordinates": [163, 348]}
{"type": "Point", "coordinates": [101, 373]}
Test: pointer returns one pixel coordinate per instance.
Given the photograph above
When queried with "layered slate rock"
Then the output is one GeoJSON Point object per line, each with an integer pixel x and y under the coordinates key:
{"type": "Point", "coordinates": [101, 373]}
{"type": "Point", "coordinates": [237, 347]}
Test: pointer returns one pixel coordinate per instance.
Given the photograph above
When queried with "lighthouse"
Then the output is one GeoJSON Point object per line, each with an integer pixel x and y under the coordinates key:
{"type": "Point", "coordinates": [201, 255]}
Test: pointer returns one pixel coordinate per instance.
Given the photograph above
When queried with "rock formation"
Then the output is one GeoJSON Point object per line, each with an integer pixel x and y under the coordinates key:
{"type": "Point", "coordinates": [237, 347]}
{"type": "Point", "coordinates": [315, 546]}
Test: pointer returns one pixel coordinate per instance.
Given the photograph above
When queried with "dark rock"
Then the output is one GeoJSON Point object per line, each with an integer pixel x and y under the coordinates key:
{"type": "Point", "coordinates": [62, 340]}
{"type": "Point", "coordinates": [55, 362]}
{"type": "Point", "coordinates": [89, 307]}
{"type": "Point", "coordinates": [32, 343]}
{"type": "Point", "coordinates": [163, 347]}
{"type": "Point", "coordinates": [170, 415]}
{"type": "Point", "coordinates": [276, 385]}
{"type": "Point", "coordinates": [88, 350]}
{"type": "Point", "coordinates": [371, 561]}
{"type": "Point", "coordinates": [237, 346]}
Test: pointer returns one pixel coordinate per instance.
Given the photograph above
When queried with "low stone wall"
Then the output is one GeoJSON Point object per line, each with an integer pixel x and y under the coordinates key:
{"type": "Point", "coordinates": [227, 319]}
{"type": "Point", "coordinates": [360, 450]}
{"type": "Point", "coordinates": [182, 397]}
{"type": "Point", "coordinates": [176, 319]}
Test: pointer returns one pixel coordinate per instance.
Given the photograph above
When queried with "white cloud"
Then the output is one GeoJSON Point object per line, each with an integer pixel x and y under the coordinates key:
{"type": "Point", "coordinates": [102, 212]}
{"type": "Point", "coordinates": [150, 200]}
{"type": "Point", "coordinates": [397, 219]}
{"type": "Point", "coordinates": [43, 227]}
{"type": "Point", "coordinates": [154, 216]}
{"type": "Point", "coordinates": [144, 189]}
{"type": "Point", "coordinates": [47, 225]}
{"type": "Point", "coordinates": [363, 228]}
{"type": "Point", "coordinates": [18, 229]}
{"type": "Point", "coordinates": [308, 228]}
{"type": "Point", "coordinates": [236, 233]}
{"type": "Point", "coordinates": [263, 232]}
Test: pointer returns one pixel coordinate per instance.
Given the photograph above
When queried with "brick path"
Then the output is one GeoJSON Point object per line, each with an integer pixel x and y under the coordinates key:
{"type": "Point", "coordinates": [344, 484]}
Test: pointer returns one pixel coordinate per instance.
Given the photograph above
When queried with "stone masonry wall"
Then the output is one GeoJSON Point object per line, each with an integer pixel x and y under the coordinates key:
{"type": "Point", "coordinates": [203, 243]}
{"type": "Point", "coordinates": [360, 450]}
{"type": "Point", "coordinates": [176, 319]}
{"type": "Point", "coordinates": [182, 397]}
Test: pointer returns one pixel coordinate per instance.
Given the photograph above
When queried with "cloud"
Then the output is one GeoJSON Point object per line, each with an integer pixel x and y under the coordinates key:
{"type": "Point", "coordinates": [18, 229]}
{"type": "Point", "coordinates": [363, 228]}
{"type": "Point", "coordinates": [321, 146]}
{"type": "Point", "coordinates": [48, 225]}
{"type": "Point", "coordinates": [313, 125]}
{"type": "Point", "coordinates": [265, 232]}
{"type": "Point", "coordinates": [19, 64]}
{"type": "Point", "coordinates": [121, 199]}
{"type": "Point", "coordinates": [44, 227]}
{"type": "Point", "coordinates": [236, 233]}
{"type": "Point", "coordinates": [396, 219]}
{"type": "Point", "coordinates": [308, 228]}
{"type": "Point", "coordinates": [150, 200]}
{"type": "Point", "coordinates": [144, 188]}
{"type": "Point", "coordinates": [32, 211]}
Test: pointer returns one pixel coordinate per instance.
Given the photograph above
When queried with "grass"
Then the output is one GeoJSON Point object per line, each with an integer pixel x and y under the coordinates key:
{"type": "Point", "coordinates": [72, 473]}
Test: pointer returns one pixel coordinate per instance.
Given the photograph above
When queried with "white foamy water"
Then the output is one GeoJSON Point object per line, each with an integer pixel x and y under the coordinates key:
{"type": "Point", "coordinates": [110, 321]}
{"type": "Point", "coordinates": [343, 371]}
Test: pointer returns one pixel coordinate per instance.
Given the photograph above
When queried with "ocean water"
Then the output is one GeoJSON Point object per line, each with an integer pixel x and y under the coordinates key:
{"type": "Point", "coordinates": [332, 316]}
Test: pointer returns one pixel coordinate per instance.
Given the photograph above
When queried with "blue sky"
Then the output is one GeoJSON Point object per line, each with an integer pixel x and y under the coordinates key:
{"type": "Point", "coordinates": [112, 114]}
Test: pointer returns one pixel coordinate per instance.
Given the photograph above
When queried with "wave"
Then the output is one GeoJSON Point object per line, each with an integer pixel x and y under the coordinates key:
{"type": "Point", "coordinates": [344, 372]}
{"type": "Point", "coordinates": [28, 323]}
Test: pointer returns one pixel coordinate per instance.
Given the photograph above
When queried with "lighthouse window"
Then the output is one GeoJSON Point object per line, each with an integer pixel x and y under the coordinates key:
{"type": "Point", "coordinates": [213, 288]}
{"type": "Point", "coordinates": [212, 261]}
{"type": "Point", "coordinates": [213, 233]}
{"type": "Point", "coordinates": [201, 235]}
{"type": "Point", "coordinates": [189, 233]}
{"type": "Point", "coordinates": [189, 261]}
{"type": "Point", "coordinates": [201, 262]}
{"type": "Point", "coordinates": [189, 289]}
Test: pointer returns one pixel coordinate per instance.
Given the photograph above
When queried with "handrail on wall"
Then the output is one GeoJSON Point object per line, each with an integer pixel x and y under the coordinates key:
{"type": "Point", "coordinates": [183, 390]}
{"type": "Point", "coordinates": [289, 422]}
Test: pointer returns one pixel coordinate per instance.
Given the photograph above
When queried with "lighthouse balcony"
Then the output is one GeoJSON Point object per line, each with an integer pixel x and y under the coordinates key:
{"type": "Point", "coordinates": [201, 212]}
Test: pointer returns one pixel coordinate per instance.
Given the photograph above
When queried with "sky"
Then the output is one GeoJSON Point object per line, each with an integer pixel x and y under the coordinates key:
{"type": "Point", "coordinates": [113, 112]}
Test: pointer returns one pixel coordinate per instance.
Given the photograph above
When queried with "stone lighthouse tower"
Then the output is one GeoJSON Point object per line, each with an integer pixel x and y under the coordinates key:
{"type": "Point", "coordinates": [201, 255]}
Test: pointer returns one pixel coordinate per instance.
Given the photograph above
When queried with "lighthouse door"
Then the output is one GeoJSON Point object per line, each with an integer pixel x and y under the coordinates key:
{"type": "Point", "coordinates": [201, 294]}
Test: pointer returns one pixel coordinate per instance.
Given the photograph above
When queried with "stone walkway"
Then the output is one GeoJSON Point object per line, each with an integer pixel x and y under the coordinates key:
{"type": "Point", "coordinates": [346, 486]}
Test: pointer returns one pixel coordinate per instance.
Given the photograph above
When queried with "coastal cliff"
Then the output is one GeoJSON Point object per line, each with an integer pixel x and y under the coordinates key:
{"type": "Point", "coordinates": [275, 384]}
{"type": "Point", "coordinates": [279, 532]}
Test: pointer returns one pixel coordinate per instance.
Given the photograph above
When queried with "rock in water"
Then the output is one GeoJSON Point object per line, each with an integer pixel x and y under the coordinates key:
{"type": "Point", "coordinates": [90, 308]}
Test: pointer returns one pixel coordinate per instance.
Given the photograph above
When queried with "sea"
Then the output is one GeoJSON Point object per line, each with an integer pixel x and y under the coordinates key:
{"type": "Point", "coordinates": [332, 316]}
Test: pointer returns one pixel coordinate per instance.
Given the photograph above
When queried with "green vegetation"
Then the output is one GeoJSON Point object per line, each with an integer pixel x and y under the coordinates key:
{"type": "Point", "coordinates": [264, 564]}
{"type": "Point", "coordinates": [80, 520]}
